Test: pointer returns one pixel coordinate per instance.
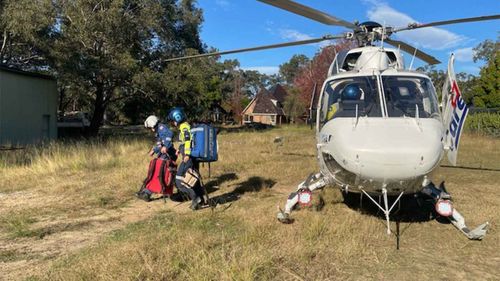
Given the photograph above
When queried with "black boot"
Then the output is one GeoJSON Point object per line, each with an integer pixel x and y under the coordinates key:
{"type": "Point", "coordinates": [144, 195]}
{"type": "Point", "coordinates": [195, 204]}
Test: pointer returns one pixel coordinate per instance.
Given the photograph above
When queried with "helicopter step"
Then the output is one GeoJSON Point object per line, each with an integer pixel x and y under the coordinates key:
{"type": "Point", "coordinates": [440, 198]}
{"type": "Point", "coordinates": [302, 196]}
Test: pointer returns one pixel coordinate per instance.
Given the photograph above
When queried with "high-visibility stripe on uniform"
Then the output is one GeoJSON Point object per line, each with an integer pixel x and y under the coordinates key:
{"type": "Point", "coordinates": [185, 137]}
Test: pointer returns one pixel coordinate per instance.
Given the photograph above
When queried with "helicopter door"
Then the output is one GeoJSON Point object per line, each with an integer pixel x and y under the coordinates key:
{"type": "Point", "coordinates": [454, 113]}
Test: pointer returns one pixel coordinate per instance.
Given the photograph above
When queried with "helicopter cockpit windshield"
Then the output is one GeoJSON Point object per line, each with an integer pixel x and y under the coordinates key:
{"type": "Point", "coordinates": [350, 97]}
{"type": "Point", "coordinates": [359, 96]}
{"type": "Point", "coordinates": [405, 96]}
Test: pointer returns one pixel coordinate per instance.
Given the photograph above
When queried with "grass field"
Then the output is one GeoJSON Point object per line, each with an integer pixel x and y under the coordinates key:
{"type": "Point", "coordinates": [67, 212]}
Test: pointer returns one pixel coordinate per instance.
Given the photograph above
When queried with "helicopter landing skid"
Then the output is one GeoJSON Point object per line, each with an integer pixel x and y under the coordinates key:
{"type": "Point", "coordinates": [313, 182]}
{"type": "Point", "coordinates": [441, 196]}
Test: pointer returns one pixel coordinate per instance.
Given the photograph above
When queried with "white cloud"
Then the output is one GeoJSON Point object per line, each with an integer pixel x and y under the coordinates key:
{"type": "Point", "coordinates": [222, 3]}
{"type": "Point", "coordinates": [293, 35]}
{"type": "Point", "coordinates": [269, 70]}
{"type": "Point", "coordinates": [464, 54]}
{"type": "Point", "coordinates": [430, 38]}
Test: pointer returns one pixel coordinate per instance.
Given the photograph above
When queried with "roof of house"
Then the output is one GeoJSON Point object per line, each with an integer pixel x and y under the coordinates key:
{"type": "Point", "coordinates": [278, 92]}
{"type": "Point", "coordinates": [264, 104]}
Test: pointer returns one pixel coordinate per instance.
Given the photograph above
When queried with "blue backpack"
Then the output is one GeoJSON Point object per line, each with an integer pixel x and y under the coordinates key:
{"type": "Point", "coordinates": [204, 143]}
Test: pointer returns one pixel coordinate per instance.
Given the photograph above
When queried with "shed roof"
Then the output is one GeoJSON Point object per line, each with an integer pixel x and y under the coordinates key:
{"type": "Point", "coordinates": [26, 73]}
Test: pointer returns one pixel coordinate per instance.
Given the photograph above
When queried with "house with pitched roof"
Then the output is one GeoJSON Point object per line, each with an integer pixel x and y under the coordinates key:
{"type": "Point", "coordinates": [266, 107]}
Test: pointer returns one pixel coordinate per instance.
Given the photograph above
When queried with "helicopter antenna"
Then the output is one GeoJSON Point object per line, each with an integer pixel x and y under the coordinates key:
{"type": "Point", "coordinates": [383, 35]}
{"type": "Point", "coordinates": [412, 59]}
{"type": "Point", "coordinates": [336, 59]}
{"type": "Point", "coordinates": [311, 106]}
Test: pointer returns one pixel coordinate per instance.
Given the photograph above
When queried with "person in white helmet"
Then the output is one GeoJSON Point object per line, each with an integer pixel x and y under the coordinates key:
{"type": "Point", "coordinates": [163, 147]}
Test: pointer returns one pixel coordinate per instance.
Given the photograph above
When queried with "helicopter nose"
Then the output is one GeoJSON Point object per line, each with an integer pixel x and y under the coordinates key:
{"type": "Point", "coordinates": [384, 150]}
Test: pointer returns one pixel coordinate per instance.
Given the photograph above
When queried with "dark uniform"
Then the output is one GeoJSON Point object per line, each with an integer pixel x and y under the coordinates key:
{"type": "Point", "coordinates": [196, 194]}
{"type": "Point", "coordinates": [164, 139]}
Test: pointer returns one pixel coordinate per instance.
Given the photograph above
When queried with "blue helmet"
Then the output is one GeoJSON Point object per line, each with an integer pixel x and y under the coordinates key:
{"type": "Point", "coordinates": [351, 92]}
{"type": "Point", "coordinates": [177, 115]}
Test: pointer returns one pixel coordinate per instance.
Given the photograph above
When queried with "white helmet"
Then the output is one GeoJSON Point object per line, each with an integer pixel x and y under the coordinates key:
{"type": "Point", "coordinates": [151, 121]}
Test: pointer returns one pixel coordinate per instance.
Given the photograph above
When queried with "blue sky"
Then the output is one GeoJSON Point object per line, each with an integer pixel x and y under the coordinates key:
{"type": "Point", "coordinates": [246, 23]}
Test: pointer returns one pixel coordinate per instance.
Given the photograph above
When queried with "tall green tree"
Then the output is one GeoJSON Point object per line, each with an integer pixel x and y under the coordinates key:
{"type": "Point", "coordinates": [22, 24]}
{"type": "Point", "coordinates": [290, 69]}
{"type": "Point", "coordinates": [294, 106]}
{"type": "Point", "coordinates": [98, 50]}
{"type": "Point", "coordinates": [487, 88]}
{"type": "Point", "coordinates": [486, 50]}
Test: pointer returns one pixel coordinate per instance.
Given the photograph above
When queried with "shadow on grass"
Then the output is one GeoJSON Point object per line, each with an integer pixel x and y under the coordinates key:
{"type": "Point", "coordinates": [411, 208]}
{"type": "Point", "coordinates": [210, 187]}
{"type": "Point", "coordinates": [253, 184]}
{"type": "Point", "coordinates": [251, 127]}
{"type": "Point", "coordinates": [213, 184]}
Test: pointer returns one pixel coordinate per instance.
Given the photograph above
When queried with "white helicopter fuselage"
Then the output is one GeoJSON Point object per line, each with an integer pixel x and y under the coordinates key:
{"type": "Point", "coordinates": [390, 137]}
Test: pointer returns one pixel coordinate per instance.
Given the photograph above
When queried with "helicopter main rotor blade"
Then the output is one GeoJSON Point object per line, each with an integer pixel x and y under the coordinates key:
{"type": "Point", "coordinates": [413, 51]}
{"type": "Point", "coordinates": [308, 12]}
{"type": "Point", "coordinates": [445, 22]}
{"type": "Point", "coordinates": [280, 45]}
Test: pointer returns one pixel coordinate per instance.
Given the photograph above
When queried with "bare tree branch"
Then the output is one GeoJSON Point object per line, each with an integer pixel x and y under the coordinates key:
{"type": "Point", "coordinates": [4, 42]}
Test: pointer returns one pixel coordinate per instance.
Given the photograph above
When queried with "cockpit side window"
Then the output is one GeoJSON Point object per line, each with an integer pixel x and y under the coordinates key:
{"type": "Point", "coordinates": [350, 61]}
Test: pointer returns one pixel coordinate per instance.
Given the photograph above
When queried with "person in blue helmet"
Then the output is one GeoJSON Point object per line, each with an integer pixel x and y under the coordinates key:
{"type": "Point", "coordinates": [163, 148]}
{"type": "Point", "coordinates": [178, 118]}
{"type": "Point", "coordinates": [352, 92]}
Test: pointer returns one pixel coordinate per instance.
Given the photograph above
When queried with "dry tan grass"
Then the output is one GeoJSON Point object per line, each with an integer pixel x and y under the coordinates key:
{"type": "Point", "coordinates": [244, 241]}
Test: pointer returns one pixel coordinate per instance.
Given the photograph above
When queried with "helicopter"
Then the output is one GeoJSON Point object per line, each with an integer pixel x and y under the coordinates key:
{"type": "Point", "coordinates": [380, 130]}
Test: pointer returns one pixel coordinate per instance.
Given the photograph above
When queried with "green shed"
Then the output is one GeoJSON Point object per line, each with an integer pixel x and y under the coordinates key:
{"type": "Point", "coordinates": [28, 107]}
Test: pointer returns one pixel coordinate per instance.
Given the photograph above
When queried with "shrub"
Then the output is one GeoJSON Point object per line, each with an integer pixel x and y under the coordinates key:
{"type": "Point", "coordinates": [485, 123]}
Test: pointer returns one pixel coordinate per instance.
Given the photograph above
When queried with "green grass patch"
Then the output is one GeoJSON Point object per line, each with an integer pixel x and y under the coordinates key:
{"type": "Point", "coordinates": [18, 225]}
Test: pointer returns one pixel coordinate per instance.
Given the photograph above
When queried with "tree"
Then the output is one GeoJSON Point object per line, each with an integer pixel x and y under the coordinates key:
{"type": "Point", "coordinates": [312, 75]}
{"type": "Point", "coordinates": [466, 82]}
{"type": "Point", "coordinates": [487, 87]}
{"type": "Point", "coordinates": [88, 49]}
{"type": "Point", "coordinates": [236, 103]}
{"type": "Point", "coordinates": [486, 50]}
{"type": "Point", "coordinates": [293, 106]}
{"type": "Point", "coordinates": [22, 24]}
{"type": "Point", "coordinates": [98, 50]}
{"type": "Point", "coordinates": [290, 69]}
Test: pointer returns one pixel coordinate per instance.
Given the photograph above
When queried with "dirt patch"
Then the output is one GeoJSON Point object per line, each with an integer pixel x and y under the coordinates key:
{"type": "Point", "coordinates": [56, 237]}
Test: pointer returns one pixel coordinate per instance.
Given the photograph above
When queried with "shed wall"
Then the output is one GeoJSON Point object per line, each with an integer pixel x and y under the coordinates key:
{"type": "Point", "coordinates": [28, 109]}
